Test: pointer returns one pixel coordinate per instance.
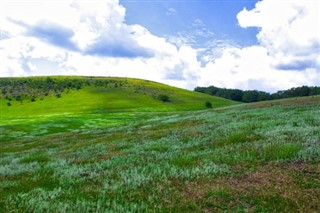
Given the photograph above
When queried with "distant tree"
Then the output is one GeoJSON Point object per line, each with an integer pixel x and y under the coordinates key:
{"type": "Point", "coordinates": [163, 98]}
{"type": "Point", "coordinates": [263, 96]}
{"type": "Point", "coordinates": [250, 96]}
{"type": "Point", "coordinates": [208, 104]}
{"type": "Point", "coordinates": [236, 95]}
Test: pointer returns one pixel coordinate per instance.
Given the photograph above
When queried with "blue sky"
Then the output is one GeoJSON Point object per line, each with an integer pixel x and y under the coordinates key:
{"type": "Point", "coordinates": [266, 45]}
{"type": "Point", "coordinates": [167, 18]}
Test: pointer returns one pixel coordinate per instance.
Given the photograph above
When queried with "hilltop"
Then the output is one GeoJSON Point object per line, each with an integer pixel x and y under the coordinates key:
{"type": "Point", "coordinates": [71, 94]}
{"type": "Point", "coordinates": [62, 104]}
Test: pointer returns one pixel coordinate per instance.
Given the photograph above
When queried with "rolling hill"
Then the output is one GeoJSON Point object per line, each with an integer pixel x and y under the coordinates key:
{"type": "Point", "coordinates": [108, 94]}
{"type": "Point", "coordinates": [98, 148]}
{"type": "Point", "coordinates": [60, 104]}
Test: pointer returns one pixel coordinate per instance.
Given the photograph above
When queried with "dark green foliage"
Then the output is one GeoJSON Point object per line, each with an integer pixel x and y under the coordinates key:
{"type": "Point", "coordinates": [32, 88]}
{"type": "Point", "coordinates": [255, 95]}
{"type": "Point", "coordinates": [163, 98]}
{"type": "Point", "coordinates": [18, 98]}
{"type": "Point", "coordinates": [33, 99]}
{"type": "Point", "coordinates": [208, 104]}
{"type": "Point", "coordinates": [9, 104]}
{"type": "Point", "coordinates": [250, 96]}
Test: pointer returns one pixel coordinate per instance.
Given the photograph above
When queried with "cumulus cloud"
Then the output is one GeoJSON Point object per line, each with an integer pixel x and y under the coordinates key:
{"type": "Point", "coordinates": [289, 30]}
{"type": "Point", "coordinates": [81, 38]}
{"type": "Point", "coordinates": [96, 29]}
{"type": "Point", "coordinates": [287, 54]}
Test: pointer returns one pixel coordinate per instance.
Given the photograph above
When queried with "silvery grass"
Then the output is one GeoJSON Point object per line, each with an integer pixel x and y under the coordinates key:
{"type": "Point", "coordinates": [278, 134]}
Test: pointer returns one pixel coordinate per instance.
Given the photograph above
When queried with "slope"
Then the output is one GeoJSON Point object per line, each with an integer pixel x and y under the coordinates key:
{"type": "Point", "coordinates": [42, 105]}
{"type": "Point", "coordinates": [239, 159]}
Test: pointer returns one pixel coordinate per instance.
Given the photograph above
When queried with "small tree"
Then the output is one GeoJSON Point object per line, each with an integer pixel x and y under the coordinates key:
{"type": "Point", "coordinates": [163, 98]}
{"type": "Point", "coordinates": [208, 104]}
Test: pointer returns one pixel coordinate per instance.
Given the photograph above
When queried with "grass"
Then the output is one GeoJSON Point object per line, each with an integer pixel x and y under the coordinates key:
{"type": "Point", "coordinates": [242, 158]}
{"type": "Point", "coordinates": [95, 106]}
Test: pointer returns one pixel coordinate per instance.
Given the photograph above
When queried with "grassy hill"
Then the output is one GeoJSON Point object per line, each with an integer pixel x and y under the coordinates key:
{"type": "Point", "coordinates": [139, 157]}
{"type": "Point", "coordinates": [82, 94]}
{"type": "Point", "coordinates": [60, 104]}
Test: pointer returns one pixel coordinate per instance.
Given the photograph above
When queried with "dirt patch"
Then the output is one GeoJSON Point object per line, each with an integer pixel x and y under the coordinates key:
{"type": "Point", "coordinates": [279, 187]}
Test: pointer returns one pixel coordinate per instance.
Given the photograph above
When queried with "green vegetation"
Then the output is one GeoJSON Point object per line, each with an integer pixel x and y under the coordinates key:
{"type": "Point", "coordinates": [163, 98]}
{"type": "Point", "coordinates": [254, 95]}
{"type": "Point", "coordinates": [107, 149]}
{"type": "Point", "coordinates": [208, 104]}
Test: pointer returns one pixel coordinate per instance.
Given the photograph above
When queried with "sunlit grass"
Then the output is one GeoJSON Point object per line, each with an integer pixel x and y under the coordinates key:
{"type": "Point", "coordinates": [230, 160]}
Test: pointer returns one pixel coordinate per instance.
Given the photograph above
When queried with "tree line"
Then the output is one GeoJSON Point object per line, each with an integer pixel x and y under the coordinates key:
{"type": "Point", "coordinates": [20, 89]}
{"type": "Point", "coordinates": [255, 95]}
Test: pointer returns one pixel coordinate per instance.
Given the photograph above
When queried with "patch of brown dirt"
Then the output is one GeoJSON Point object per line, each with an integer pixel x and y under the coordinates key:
{"type": "Point", "coordinates": [282, 179]}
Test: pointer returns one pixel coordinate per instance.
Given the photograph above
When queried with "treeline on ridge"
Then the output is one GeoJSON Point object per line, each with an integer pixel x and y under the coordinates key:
{"type": "Point", "coordinates": [255, 95]}
{"type": "Point", "coordinates": [21, 89]}
{"type": "Point", "coordinates": [31, 89]}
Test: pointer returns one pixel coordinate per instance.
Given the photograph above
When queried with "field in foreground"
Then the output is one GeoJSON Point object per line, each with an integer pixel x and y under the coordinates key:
{"type": "Point", "coordinates": [256, 158]}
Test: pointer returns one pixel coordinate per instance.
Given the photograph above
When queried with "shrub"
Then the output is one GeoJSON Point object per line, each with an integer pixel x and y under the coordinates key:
{"type": "Point", "coordinates": [33, 99]}
{"type": "Point", "coordinates": [208, 104]}
{"type": "Point", "coordinates": [163, 98]}
{"type": "Point", "coordinates": [9, 104]}
{"type": "Point", "coordinates": [58, 95]}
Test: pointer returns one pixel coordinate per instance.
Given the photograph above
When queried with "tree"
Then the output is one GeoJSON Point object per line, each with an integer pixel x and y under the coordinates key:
{"type": "Point", "coordinates": [208, 104]}
{"type": "Point", "coordinates": [163, 98]}
{"type": "Point", "coordinates": [250, 96]}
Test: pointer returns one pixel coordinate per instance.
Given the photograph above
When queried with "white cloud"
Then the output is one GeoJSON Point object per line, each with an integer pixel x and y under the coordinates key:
{"type": "Point", "coordinates": [290, 31]}
{"type": "Point", "coordinates": [171, 11]}
{"type": "Point", "coordinates": [287, 54]}
{"type": "Point", "coordinates": [81, 38]}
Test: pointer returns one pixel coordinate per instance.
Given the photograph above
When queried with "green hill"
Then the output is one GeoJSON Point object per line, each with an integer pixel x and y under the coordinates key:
{"type": "Point", "coordinates": [60, 104]}
{"type": "Point", "coordinates": [110, 94]}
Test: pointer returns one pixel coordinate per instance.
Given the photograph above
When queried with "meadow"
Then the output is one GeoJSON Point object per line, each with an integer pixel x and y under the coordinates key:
{"type": "Point", "coordinates": [111, 150]}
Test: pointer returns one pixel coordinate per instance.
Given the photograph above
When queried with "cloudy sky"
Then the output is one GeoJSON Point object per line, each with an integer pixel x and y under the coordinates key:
{"type": "Point", "coordinates": [265, 45]}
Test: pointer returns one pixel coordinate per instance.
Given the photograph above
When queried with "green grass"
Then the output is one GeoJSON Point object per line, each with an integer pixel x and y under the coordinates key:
{"type": "Point", "coordinates": [166, 157]}
{"type": "Point", "coordinates": [95, 106]}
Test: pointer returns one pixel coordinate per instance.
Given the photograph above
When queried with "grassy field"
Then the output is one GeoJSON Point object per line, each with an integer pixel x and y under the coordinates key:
{"type": "Point", "coordinates": [104, 151]}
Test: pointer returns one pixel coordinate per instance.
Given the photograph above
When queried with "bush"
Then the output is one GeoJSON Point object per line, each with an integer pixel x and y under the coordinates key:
{"type": "Point", "coordinates": [58, 95]}
{"type": "Point", "coordinates": [163, 98]}
{"type": "Point", "coordinates": [9, 104]}
{"type": "Point", "coordinates": [33, 99]}
{"type": "Point", "coordinates": [208, 104]}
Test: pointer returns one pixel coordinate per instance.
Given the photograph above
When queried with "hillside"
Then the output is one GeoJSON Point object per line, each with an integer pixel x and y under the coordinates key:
{"type": "Point", "coordinates": [60, 104]}
{"type": "Point", "coordinates": [66, 94]}
{"type": "Point", "coordinates": [91, 156]}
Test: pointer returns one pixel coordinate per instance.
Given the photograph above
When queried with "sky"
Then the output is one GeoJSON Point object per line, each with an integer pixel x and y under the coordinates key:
{"type": "Point", "coordinates": [266, 45]}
